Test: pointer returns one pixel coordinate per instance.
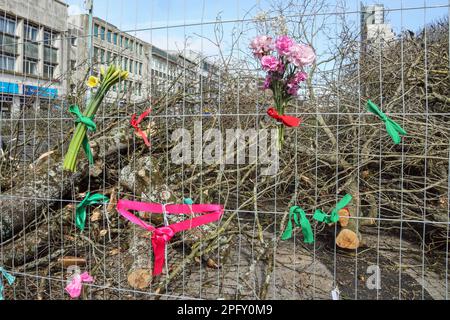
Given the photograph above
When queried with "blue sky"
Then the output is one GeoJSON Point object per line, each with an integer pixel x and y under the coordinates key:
{"type": "Point", "coordinates": [144, 14]}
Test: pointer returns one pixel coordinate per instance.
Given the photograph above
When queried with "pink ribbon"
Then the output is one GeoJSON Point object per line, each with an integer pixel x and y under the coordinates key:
{"type": "Point", "coordinates": [163, 235]}
{"type": "Point", "coordinates": [74, 287]}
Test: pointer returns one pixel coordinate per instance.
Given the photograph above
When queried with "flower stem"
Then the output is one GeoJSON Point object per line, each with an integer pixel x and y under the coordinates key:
{"type": "Point", "coordinates": [112, 76]}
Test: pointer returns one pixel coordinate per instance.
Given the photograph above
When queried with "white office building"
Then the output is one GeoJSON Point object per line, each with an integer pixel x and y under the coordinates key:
{"type": "Point", "coordinates": [110, 45]}
{"type": "Point", "coordinates": [373, 25]}
{"type": "Point", "coordinates": [31, 54]}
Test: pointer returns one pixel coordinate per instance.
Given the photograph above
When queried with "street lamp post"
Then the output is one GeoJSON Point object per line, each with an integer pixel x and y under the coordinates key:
{"type": "Point", "coordinates": [89, 5]}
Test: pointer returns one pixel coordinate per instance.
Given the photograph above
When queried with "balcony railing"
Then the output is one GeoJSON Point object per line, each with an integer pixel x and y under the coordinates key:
{"type": "Point", "coordinates": [50, 55]}
{"type": "Point", "coordinates": [8, 44]}
{"type": "Point", "coordinates": [31, 50]}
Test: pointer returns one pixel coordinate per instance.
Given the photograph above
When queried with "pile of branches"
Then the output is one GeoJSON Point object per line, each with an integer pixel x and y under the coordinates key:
{"type": "Point", "coordinates": [339, 149]}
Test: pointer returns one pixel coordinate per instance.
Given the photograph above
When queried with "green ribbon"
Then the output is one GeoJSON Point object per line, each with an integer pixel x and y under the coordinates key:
{"type": "Point", "coordinates": [321, 216]}
{"type": "Point", "coordinates": [301, 221]}
{"type": "Point", "coordinates": [9, 278]}
{"type": "Point", "coordinates": [392, 127]}
{"type": "Point", "coordinates": [90, 124]}
{"type": "Point", "coordinates": [80, 213]}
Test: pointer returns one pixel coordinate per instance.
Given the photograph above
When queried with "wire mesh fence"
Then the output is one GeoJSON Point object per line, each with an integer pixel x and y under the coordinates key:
{"type": "Point", "coordinates": [211, 140]}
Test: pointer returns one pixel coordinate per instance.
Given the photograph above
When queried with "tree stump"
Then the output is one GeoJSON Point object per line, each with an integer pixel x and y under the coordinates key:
{"type": "Point", "coordinates": [348, 237]}
{"type": "Point", "coordinates": [141, 255]}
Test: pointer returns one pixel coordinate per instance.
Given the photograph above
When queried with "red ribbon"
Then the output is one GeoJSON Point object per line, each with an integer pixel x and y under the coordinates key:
{"type": "Point", "coordinates": [162, 235]}
{"type": "Point", "coordinates": [135, 124]}
{"type": "Point", "coordinates": [288, 121]}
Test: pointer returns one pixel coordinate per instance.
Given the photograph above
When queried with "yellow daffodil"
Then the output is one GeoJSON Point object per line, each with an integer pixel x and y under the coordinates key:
{"type": "Point", "coordinates": [93, 81]}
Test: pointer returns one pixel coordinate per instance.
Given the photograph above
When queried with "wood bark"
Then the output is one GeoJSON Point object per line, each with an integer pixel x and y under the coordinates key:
{"type": "Point", "coordinates": [49, 184]}
{"type": "Point", "coordinates": [141, 256]}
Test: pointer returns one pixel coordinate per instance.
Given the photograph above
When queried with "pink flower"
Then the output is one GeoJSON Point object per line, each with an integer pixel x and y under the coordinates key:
{"type": "Point", "coordinates": [267, 82]}
{"type": "Point", "coordinates": [301, 55]}
{"type": "Point", "coordinates": [283, 44]}
{"type": "Point", "coordinates": [300, 77]}
{"type": "Point", "coordinates": [293, 84]}
{"type": "Point", "coordinates": [271, 63]}
{"type": "Point", "coordinates": [261, 46]}
{"type": "Point", "coordinates": [292, 88]}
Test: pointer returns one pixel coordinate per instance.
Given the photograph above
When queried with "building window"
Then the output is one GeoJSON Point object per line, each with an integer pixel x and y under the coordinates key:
{"type": "Point", "coordinates": [49, 71]}
{"type": "Point", "coordinates": [30, 67]}
{"type": "Point", "coordinates": [7, 26]}
{"type": "Point", "coordinates": [30, 33]}
{"type": "Point", "coordinates": [95, 54]}
{"type": "Point", "coordinates": [131, 66]}
{"type": "Point", "coordinates": [121, 41]}
{"type": "Point", "coordinates": [109, 36]}
{"type": "Point", "coordinates": [50, 54]}
{"type": "Point", "coordinates": [73, 64]}
{"type": "Point", "coordinates": [96, 30]}
{"type": "Point", "coordinates": [102, 56]}
{"type": "Point", "coordinates": [49, 38]}
{"type": "Point", "coordinates": [102, 33]}
{"type": "Point", "coordinates": [108, 57]}
{"type": "Point", "coordinates": [115, 39]}
{"type": "Point", "coordinates": [73, 41]}
{"type": "Point", "coordinates": [126, 43]}
{"type": "Point", "coordinates": [7, 63]}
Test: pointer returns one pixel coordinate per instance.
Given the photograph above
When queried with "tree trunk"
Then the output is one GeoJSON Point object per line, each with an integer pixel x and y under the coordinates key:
{"type": "Point", "coordinates": [141, 254]}
{"type": "Point", "coordinates": [26, 201]}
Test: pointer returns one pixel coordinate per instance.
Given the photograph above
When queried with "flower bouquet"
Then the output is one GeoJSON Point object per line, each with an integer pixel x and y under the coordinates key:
{"type": "Point", "coordinates": [284, 61]}
{"type": "Point", "coordinates": [108, 78]}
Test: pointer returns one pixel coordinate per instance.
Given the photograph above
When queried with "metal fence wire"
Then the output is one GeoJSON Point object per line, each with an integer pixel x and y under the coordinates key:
{"type": "Point", "coordinates": [212, 142]}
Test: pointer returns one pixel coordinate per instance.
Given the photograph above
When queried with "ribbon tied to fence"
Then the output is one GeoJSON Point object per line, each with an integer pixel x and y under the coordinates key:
{"type": "Point", "coordinates": [136, 122]}
{"type": "Point", "coordinates": [75, 286]}
{"type": "Point", "coordinates": [288, 121]}
{"type": "Point", "coordinates": [9, 278]}
{"type": "Point", "coordinates": [80, 213]}
{"type": "Point", "coordinates": [161, 236]}
{"type": "Point", "coordinates": [90, 125]}
{"type": "Point", "coordinates": [300, 220]}
{"type": "Point", "coordinates": [321, 216]}
{"type": "Point", "coordinates": [392, 127]}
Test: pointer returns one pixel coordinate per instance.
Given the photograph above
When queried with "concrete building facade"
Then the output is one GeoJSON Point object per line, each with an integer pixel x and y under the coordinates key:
{"type": "Point", "coordinates": [32, 54]}
{"type": "Point", "coordinates": [44, 56]}
{"type": "Point", "coordinates": [110, 45]}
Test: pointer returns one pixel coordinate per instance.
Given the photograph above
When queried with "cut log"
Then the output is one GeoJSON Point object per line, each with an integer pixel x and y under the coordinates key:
{"type": "Point", "coordinates": [349, 236]}
{"type": "Point", "coordinates": [344, 215]}
{"type": "Point", "coordinates": [49, 182]}
{"type": "Point", "coordinates": [141, 254]}
{"type": "Point", "coordinates": [347, 239]}
{"type": "Point", "coordinates": [72, 261]}
{"type": "Point", "coordinates": [17, 253]}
